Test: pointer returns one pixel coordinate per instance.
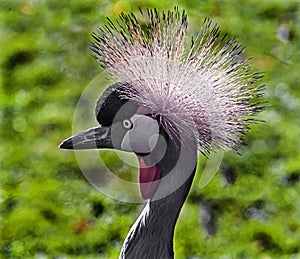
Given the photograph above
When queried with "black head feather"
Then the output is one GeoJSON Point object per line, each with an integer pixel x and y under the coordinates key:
{"type": "Point", "coordinates": [111, 106]}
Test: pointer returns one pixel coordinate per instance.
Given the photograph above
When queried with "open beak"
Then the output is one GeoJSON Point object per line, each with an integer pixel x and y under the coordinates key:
{"type": "Point", "coordinates": [94, 138]}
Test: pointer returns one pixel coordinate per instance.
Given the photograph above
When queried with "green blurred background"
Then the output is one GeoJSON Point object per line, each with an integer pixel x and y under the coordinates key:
{"type": "Point", "coordinates": [49, 210]}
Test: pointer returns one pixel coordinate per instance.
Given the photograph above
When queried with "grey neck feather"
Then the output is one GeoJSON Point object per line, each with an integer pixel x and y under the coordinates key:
{"type": "Point", "coordinates": [151, 236]}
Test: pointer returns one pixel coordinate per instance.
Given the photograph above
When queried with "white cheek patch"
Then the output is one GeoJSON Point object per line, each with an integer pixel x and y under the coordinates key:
{"type": "Point", "coordinates": [143, 137]}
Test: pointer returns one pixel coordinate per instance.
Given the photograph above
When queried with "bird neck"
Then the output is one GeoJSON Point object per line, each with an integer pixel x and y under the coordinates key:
{"type": "Point", "coordinates": [152, 234]}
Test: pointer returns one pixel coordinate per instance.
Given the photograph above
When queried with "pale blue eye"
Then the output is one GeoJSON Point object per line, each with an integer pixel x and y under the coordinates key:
{"type": "Point", "coordinates": [127, 124]}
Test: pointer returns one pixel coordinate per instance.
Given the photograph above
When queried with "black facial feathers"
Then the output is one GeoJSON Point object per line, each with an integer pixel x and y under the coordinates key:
{"type": "Point", "coordinates": [111, 106]}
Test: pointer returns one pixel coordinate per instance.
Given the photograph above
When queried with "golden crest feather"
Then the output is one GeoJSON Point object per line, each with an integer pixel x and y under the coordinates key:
{"type": "Point", "coordinates": [207, 90]}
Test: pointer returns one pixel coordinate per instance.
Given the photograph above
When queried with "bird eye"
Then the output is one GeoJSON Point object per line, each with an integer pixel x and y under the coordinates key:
{"type": "Point", "coordinates": [127, 124]}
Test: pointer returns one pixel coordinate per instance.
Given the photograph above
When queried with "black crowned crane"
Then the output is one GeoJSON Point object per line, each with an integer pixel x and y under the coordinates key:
{"type": "Point", "coordinates": [168, 103]}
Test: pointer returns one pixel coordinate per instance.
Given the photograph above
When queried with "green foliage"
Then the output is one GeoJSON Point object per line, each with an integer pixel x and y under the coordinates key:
{"type": "Point", "coordinates": [49, 210]}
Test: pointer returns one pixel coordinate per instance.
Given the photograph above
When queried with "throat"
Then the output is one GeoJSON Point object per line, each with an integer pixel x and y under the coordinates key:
{"type": "Point", "coordinates": [152, 234]}
{"type": "Point", "coordinates": [149, 176]}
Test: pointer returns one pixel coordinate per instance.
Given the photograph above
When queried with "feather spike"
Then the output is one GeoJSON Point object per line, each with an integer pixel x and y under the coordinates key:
{"type": "Point", "coordinates": [207, 90]}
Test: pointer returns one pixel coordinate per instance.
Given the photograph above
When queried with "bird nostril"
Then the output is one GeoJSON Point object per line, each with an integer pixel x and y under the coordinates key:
{"type": "Point", "coordinates": [91, 136]}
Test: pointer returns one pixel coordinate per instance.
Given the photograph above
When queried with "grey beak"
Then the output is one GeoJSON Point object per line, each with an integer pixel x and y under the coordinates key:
{"type": "Point", "coordinates": [94, 138]}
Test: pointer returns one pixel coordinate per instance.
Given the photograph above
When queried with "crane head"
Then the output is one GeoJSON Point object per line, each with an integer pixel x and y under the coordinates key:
{"type": "Point", "coordinates": [127, 126]}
